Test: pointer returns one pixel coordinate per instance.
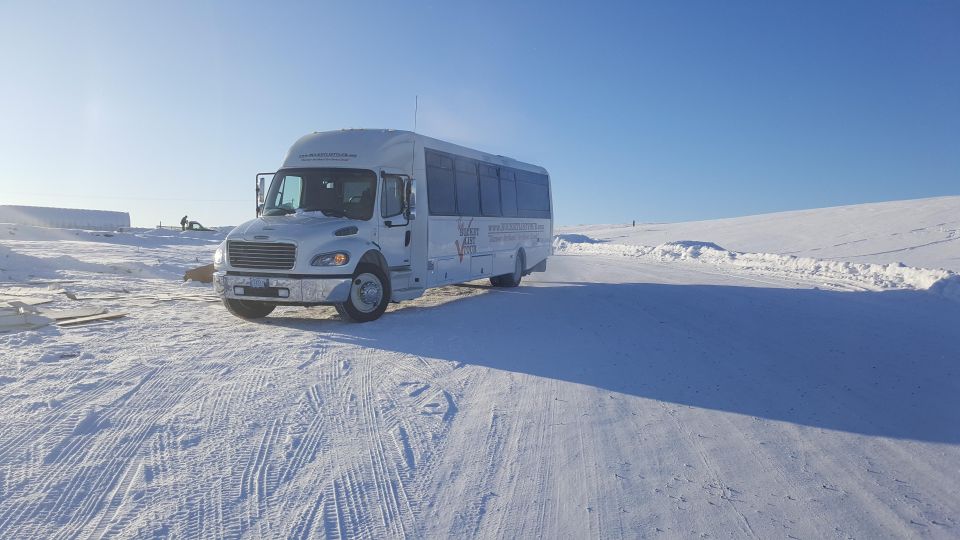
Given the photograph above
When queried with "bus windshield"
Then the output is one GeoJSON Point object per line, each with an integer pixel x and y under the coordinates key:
{"type": "Point", "coordinates": [345, 193]}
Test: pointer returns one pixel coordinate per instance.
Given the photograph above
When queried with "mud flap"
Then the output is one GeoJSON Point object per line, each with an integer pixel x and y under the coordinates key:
{"type": "Point", "coordinates": [539, 267]}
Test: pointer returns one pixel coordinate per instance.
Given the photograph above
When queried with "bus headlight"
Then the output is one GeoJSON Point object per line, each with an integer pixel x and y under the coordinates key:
{"type": "Point", "coordinates": [337, 258]}
{"type": "Point", "coordinates": [218, 256]}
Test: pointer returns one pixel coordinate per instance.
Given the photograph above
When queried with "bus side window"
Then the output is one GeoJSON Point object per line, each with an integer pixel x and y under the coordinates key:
{"type": "Point", "coordinates": [533, 195]}
{"type": "Point", "coordinates": [468, 190]}
{"type": "Point", "coordinates": [489, 191]}
{"type": "Point", "coordinates": [508, 192]}
{"type": "Point", "coordinates": [440, 186]}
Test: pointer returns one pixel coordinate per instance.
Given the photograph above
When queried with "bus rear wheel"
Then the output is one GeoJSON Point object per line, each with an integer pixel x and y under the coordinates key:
{"type": "Point", "coordinates": [369, 295]}
{"type": "Point", "coordinates": [510, 280]}
{"type": "Point", "coordinates": [248, 309]}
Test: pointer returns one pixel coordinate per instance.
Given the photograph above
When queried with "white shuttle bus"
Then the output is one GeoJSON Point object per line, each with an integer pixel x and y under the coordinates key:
{"type": "Point", "coordinates": [359, 218]}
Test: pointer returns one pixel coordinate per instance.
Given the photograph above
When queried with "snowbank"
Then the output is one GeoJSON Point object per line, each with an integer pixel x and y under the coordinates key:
{"type": "Point", "coordinates": [15, 265]}
{"type": "Point", "coordinates": [855, 275]}
{"type": "Point", "coordinates": [28, 252]}
{"type": "Point", "coordinates": [141, 237]}
{"type": "Point", "coordinates": [924, 233]}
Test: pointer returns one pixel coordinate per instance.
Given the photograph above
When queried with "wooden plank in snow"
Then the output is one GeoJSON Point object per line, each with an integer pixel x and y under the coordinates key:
{"type": "Point", "coordinates": [61, 314]}
{"type": "Point", "coordinates": [92, 318]}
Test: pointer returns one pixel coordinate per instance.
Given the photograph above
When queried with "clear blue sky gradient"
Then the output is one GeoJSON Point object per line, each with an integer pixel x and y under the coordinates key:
{"type": "Point", "coordinates": [654, 111]}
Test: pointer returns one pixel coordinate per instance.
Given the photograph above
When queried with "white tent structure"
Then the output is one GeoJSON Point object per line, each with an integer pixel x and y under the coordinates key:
{"type": "Point", "coordinates": [67, 218]}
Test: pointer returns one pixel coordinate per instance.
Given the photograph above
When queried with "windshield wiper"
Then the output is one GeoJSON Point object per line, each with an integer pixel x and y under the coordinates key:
{"type": "Point", "coordinates": [278, 211]}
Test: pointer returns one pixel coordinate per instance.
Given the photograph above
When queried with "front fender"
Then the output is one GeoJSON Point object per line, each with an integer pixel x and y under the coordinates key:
{"type": "Point", "coordinates": [358, 249]}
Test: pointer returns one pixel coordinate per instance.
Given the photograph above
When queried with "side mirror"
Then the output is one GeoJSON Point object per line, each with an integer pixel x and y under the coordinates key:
{"type": "Point", "coordinates": [410, 201]}
{"type": "Point", "coordinates": [261, 191]}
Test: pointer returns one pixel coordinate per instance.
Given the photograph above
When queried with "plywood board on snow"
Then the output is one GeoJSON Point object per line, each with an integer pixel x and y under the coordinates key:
{"type": "Point", "coordinates": [13, 320]}
{"type": "Point", "coordinates": [29, 300]}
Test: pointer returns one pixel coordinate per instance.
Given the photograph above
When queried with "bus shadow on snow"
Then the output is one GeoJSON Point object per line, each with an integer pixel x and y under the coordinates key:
{"type": "Point", "coordinates": [884, 364]}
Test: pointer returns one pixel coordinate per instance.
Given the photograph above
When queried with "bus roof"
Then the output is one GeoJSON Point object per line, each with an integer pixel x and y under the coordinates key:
{"type": "Point", "coordinates": [371, 148]}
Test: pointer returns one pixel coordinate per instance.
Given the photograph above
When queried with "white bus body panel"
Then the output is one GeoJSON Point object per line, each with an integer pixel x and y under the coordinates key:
{"type": "Point", "coordinates": [466, 248]}
{"type": "Point", "coordinates": [442, 250]}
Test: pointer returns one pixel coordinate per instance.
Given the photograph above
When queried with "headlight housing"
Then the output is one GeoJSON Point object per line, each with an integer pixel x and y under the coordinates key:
{"type": "Point", "coordinates": [336, 258]}
{"type": "Point", "coordinates": [218, 256]}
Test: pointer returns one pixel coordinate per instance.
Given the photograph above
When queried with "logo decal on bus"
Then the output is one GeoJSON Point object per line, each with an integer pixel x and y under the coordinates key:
{"type": "Point", "coordinates": [468, 238]}
{"type": "Point", "coordinates": [499, 233]}
{"type": "Point", "coordinates": [327, 156]}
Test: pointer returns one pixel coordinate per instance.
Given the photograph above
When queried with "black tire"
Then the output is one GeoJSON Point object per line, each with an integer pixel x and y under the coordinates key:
{"type": "Point", "coordinates": [369, 295]}
{"type": "Point", "coordinates": [510, 280]}
{"type": "Point", "coordinates": [248, 309]}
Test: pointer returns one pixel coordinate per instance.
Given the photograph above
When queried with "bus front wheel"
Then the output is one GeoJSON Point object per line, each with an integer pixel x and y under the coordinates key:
{"type": "Point", "coordinates": [369, 295]}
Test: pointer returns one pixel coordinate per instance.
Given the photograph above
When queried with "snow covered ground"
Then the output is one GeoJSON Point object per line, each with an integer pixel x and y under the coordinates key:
{"type": "Point", "coordinates": [693, 381]}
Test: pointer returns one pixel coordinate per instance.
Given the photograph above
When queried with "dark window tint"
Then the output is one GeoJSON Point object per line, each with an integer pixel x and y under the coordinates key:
{"type": "Point", "coordinates": [440, 185]}
{"type": "Point", "coordinates": [466, 187]}
{"type": "Point", "coordinates": [466, 165]}
{"type": "Point", "coordinates": [489, 195]}
{"type": "Point", "coordinates": [533, 195]}
{"type": "Point", "coordinates": [508, 192]}
{"type": "Point", "coordinates": [468, 195]}
{"type": "Point", "coordinates": [438, 160]}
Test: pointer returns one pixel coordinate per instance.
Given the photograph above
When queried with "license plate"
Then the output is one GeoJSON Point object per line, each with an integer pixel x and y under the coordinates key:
{"type": "Point", "coordinates": [259, 282]}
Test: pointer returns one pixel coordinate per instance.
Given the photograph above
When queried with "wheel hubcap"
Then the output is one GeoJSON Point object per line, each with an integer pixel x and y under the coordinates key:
{"type": "Point", "coordinates": [367, 292]}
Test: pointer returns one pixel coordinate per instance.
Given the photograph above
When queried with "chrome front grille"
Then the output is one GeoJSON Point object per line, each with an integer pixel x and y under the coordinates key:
{"type": "Point", "coordinates": [261, 255]}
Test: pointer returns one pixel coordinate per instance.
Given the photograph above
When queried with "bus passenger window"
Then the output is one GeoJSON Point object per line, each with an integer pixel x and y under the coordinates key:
{"type": "Point", "coordinates": [490, 195]}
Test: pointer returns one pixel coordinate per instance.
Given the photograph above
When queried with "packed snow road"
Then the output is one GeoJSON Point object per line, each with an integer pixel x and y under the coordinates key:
{"type": "Point", "coordinates": [609, 397]}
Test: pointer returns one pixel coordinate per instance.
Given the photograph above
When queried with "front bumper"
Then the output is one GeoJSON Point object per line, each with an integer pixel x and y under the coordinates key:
{"type": "Point", "coordinates": [297, 290]}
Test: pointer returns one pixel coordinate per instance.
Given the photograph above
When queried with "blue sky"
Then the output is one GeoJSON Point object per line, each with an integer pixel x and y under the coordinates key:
{"type": "Point", "coordinates": [654, 111]}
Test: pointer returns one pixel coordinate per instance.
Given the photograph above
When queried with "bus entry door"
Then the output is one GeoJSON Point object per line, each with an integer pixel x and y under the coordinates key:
{"type": "Point", "coordinates": [395, 233]}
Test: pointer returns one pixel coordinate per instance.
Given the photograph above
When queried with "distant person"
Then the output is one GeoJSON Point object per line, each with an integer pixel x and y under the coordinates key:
{"type": "Point", "coordinates": [183, 223]}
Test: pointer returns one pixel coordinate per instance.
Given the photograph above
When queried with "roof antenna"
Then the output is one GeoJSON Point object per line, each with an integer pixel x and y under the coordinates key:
{"type": "Point", "coordinates": [416, 109]}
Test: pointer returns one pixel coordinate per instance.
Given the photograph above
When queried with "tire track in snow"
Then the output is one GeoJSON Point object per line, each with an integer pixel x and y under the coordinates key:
{"type": "Point", "coordinates": [548, 418]}
{"type": "Point", "coordinates": [127, 450]}
{"type": "Point", "coordinates": [162, 396]}
{"type": "Point", "coordinates": [385, 414]}
{"type": "Point", "coordinates": [30, 431]}
{"type": "Point", "coordinates": [256, 478]}
{"type": "Point", "coordinates": [156, 427]}
{"type": "Point", "coordinates": [491, 452]}
{"type": "Point", "coordinates": [588, 477]}
{"type": "Point", "coordinates": [310, 441]}
{"type": "Point", "coordinates": [508, 509]}
{"type": "Point", "coordinates": [303, 527]}
{"type": "Point", "coordinates": [98, 463]}
{"type": "Point", "coordinates": [692, 442]}
{"type": "Point", "coordinates": [115, 499]}
{"type": "Point", "coordinates": [390, 496]}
